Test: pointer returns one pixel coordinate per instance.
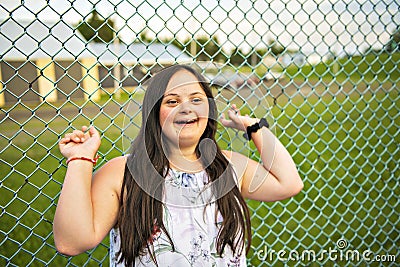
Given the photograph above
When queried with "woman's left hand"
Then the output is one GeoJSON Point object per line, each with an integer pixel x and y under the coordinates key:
{"type": "Point", "coordinates": [236, 120]}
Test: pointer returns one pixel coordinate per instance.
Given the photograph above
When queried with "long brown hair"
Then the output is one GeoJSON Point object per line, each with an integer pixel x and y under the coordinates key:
{"type": "Point", "coordinates": [147, 165]}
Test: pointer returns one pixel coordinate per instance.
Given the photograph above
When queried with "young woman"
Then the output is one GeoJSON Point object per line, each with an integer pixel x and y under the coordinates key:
{"type": "Point", "coordinates": [177, 199]}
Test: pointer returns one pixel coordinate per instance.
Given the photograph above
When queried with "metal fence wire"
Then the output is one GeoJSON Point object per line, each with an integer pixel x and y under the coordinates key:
{"type": "Point", "coordinates": [326, 74]}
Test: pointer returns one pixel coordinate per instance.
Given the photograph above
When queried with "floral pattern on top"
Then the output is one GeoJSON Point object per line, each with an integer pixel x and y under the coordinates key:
{"type": "Point", "coordinates": [192, 228]}
{"type": "Point", "coordinates": [188, 180]}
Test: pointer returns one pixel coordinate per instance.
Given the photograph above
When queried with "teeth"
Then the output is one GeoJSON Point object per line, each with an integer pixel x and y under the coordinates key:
{"type": "Point", "coordinates": [188, 121]}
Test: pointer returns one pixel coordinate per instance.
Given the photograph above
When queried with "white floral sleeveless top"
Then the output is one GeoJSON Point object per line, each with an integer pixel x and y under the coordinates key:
{"type": "Point", "coordinates": [192, 228]}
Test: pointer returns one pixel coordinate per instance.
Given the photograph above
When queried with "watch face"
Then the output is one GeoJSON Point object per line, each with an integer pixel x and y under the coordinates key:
{"type": "Point", "coordinates": [263, 123]}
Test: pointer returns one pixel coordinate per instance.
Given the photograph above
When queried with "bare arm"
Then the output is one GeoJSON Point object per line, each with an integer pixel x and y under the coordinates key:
{"type": "Point", "coordinates": [277, 177]}
{"type": "Point", "coordinates": [88, 205]}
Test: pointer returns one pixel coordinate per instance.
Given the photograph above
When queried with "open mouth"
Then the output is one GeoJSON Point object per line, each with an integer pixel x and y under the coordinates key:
{"type": "Point", "coordinates": [187, 122]}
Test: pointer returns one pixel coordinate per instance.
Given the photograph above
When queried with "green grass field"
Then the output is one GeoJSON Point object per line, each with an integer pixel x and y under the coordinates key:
{"type": "Point", "coordinates": [370, 68]}
{"type": "Point", "coordinates": [346, 146]}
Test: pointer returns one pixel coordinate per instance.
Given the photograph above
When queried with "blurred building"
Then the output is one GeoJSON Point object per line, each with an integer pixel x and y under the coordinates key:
{"type": "Point", "coordinates": [51, 61]}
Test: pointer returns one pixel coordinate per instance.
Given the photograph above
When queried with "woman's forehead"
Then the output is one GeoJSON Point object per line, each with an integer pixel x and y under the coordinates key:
{"type": "Point", "coordinates": [183, 82]}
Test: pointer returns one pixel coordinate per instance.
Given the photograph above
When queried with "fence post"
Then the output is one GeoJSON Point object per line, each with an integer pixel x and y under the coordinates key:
{"type": "Point", "coordinates": [90, 83]}
{"type": "Point", "coordinates": [47, 78]}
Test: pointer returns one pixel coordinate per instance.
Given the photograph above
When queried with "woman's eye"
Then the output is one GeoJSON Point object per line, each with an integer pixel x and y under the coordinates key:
{"type": "Point", "coordinates": [172, 102]}
{"type": "Point", "coordinates": [197, 100]}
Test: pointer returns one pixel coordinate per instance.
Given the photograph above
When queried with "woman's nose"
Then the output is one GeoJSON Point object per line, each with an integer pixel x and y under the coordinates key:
{"type": "Point", "coordinates": [185, 107]}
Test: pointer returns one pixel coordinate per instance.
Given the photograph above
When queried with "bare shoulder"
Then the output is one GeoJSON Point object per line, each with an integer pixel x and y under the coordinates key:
{"type": "Point", "coordinates": [111, 174]}
{"type": "Point", "coordinates": [115, 166]}
{"type": "Point", "coordinates": [239, 163]}
{"type": "Point", "coordinates": [115, 163]}
{"type": "Point", "coordinates": [238, 160]}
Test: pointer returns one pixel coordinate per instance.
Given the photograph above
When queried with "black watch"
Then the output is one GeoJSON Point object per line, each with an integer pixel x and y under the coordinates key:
{"type": "Point", "coordinates": [255, 127]}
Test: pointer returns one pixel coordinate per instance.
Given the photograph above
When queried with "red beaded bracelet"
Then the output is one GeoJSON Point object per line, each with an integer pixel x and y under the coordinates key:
{"type": "Point", "coordinates": [94, 161]}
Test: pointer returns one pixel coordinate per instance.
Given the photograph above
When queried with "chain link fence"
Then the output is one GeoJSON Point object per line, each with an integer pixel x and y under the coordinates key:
{"type": "Point", "coordinates": [326, 74]}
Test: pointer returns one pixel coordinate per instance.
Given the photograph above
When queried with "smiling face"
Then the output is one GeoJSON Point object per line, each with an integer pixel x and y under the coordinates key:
{"type": "Point", "coordinates": [184, 110]}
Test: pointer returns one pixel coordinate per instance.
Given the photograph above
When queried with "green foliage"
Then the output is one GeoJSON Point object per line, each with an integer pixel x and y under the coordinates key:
{"type": "Point", "coordinates": [256, 56]}
{"type": "Point", "coordinates": [394, 42]}
{"type": "Point", "coordinates": [96, 29]}
{"type": "Point", "coordinates": [208, 48]}
{"type": "Point", "coordinates": [275, 47]}
{"type": "Point", "coordinates": [237, 56]}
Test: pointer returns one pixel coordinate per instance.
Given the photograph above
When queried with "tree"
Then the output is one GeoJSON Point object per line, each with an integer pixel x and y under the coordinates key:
{"type": "Point", "coordinates": [237, 56]}
{"type": "Point", "coordinates": [255, 56]}
{"type": "Point", "coordinates": [203, 48]}
{"type": "Point", "coordinates": [275, 47]}
{"type": "Point", "coordinates": [96, 29]}
{"type": "Point", "coordinates": [394, 42]}
{"type": "Point", "coordinates": [207, 48]}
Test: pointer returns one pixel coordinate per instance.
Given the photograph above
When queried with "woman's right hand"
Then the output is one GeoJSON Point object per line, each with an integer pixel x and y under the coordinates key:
{"type": "Point", "coordinates": [89, 201]}
{"type": "Point", "coordinates": [84, 143]}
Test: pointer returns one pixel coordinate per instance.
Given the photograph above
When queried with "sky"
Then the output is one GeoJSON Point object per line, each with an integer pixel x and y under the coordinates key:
{"type": "Point", "coordinates": [348, 26]}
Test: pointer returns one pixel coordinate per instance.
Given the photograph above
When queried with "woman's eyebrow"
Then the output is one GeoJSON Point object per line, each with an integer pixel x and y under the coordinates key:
{"type": "Point", "coordinates": [197, 93]}
{"type": "Point", "coordinates": [171, 94]}
{"type": "Point", "coordinates": [175, 94]}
